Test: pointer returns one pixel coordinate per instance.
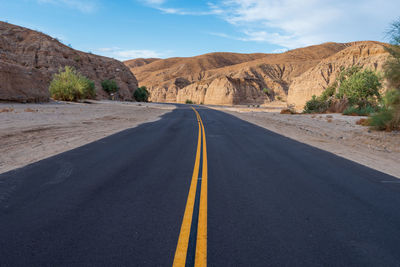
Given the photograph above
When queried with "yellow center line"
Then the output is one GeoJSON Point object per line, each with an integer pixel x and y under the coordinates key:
{"type": "Point", "coordinates": [201, 243]}
{"type": "Point", "coordinates": [201, 240]}
{"type": "Point", "coordinates": [183, 241]}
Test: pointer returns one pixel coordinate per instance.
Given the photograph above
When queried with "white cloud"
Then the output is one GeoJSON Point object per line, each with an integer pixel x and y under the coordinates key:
{"type": "Point", "coordinates": [85, 6]}
{"type": "Point", "coordinates": [297, 23]}
{"type": "Point", "coordinates": [120, 54]}
{"type": "Point", "coordinates": [179, 11]}
{"type": "Point", "coordinates": [129, 54]}
{"type": "Point", "coordinates": [280, 50]}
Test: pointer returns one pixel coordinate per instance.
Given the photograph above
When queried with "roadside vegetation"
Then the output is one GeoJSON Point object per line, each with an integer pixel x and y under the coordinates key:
{"type": "Point", "coordinates": [141, 94]}
{"type": "Point", "coordinates": [70, 85]}
{"type": "Point", "coordinates": [188, 101]}
{"type": "Point", "coordinates": [359, 90]}
{"type": "Point", "coordinates": [388, 118]}
{"type": "Point", "coordinates": [110, 86]}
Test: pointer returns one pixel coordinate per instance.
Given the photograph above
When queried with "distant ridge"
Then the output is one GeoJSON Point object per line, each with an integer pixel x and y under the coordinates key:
{"type": "Point", "coordinates": [231, 78]}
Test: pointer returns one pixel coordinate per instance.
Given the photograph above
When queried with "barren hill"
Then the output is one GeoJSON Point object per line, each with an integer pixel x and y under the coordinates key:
{"type": "Point", "coordinates": [228, 78]}
{"type": "Point", "coordinates": [28, 59]}
{"type": "Point", "coordinates": [138, 62]}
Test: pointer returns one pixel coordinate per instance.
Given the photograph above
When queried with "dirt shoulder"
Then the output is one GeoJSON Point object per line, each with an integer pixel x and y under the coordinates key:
{"type": "Point", "coordinates": [335, 133]}
{"type": "Point", "coordinates": [31, 132]}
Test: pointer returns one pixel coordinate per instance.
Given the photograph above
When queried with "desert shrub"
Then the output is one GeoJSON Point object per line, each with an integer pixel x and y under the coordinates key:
{"type": "Point", "coordinates": [360, 111]}
{"type": "Point", "coordinates": [392, 65]}
{"type": "Point", "coordinates": [109, 86]}
{"type": "Point", "coordinates": [360, 87]}
{"type": "Point", "coordinates": [141, 94]}
{"type": "Point", "coordinates": [279, 98]}
{"type": "Point", "coordinates": [363, 122]}
{"type": "Point", "coordinates": [388, 118]}
{"type": "Point", "coordinates": [267, 91]}
{"type": "Point", "coordinates": [188, 101]}
{"type": "Point", "coordinates": [328, 92]}
{"type": "Point", "coordinates": [70, 85]}
{"type": "Point", "coordinates": [357, 88]}
{"type": "Point", "coordinates": [316, 105]}
{"type": "Point", "coordinates": [381, 120]}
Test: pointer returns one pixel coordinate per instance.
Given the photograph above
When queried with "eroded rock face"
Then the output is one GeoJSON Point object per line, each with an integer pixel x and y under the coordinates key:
{"type": "Point", "coordinates": [28, 60]}
{"type": "Point", "coordinates": [227, 78]}
{"type": "Point", "coordinates": [314, 81]}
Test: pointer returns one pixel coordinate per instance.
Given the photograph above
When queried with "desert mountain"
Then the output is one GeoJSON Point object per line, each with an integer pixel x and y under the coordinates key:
{"type": "Point", "coordinates": [138, 62]}
{"type": "Point", "coordinates": [229, 78]}
{"type": "Point", "coordinates": [28, 59]}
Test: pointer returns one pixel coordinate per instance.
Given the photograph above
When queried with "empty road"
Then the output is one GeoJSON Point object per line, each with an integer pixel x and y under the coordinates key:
{"type": "Point", "coordinates": [198, 187]}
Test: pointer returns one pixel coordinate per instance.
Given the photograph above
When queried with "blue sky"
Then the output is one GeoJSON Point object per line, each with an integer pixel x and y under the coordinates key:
{"type": "Point", "coordinates": [126, 29]}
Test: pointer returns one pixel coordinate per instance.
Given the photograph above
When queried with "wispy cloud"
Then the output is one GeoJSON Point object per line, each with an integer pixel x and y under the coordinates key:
{"type": "Point", "coordinates": [296, 23]}
{"type": "Point", "coordinates": [179, 11]}
{"type": "Point", "coordinates": [85, 6]}
{"type": "Point", "coordinates": [121, 54]}
{"type": "Point", "coordinates": [161, 6]}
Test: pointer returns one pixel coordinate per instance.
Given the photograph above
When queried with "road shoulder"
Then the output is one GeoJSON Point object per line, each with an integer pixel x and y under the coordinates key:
{"type": "Point", "coordinates": [32, 132]}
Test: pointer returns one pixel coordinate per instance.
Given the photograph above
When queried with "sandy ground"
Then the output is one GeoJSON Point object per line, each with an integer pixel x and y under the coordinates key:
{"type": "Point", "coordinates": [331, 132]}
{"type": "Point", "coordinates": [31, 132]}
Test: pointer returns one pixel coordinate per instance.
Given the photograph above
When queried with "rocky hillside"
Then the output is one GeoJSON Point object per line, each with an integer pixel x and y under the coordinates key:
{"type": "Point", "coordinates": [228, 78]}
{"type": "Point", "coordinates": [314, 81]}
{"type": "Point", "coordinates": [28, 59]}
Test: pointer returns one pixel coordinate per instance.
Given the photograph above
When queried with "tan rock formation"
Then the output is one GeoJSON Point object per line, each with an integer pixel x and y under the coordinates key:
{"type": "Point", "coordinates": [314, 81]}
{"type": "Point", "coordinates": [228, 78]}
{"type": "Point", "coordinates": [28, 59]}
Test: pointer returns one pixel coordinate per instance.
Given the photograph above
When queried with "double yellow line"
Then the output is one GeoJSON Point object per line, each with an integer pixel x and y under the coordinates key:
{"type": "Point", "coordinates": [201, 240]}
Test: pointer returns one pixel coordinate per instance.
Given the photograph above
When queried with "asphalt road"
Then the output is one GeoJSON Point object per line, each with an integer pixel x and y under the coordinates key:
{"type": "Point", "coordinates": [270, 201]}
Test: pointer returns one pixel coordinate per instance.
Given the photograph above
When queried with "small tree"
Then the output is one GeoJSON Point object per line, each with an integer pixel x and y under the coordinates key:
{"type": "Point", "coordinates": [389, 117]}
{"type": "Point", "coordinates": [109, 86]}
{"type": "Point", "coordinates": [141, 94]}
{"type": "Point", "coordinates": [361, 88]}
{"type": "Point", "coordinates": [70, 85]}
{"type": "Point", "coordinates": [392, 65]}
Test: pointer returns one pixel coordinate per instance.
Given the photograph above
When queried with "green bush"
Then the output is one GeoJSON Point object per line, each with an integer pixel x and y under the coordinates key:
{"type": "Point", "coordinates": [388, 118]}
{"type": "Point", "coordinates": [328, 92]}
{"type": "Point", "coordinates": [188, 101]}
{"type": "Point", "coordinates": [381, 120]}
{"type": "Point", "coordinates": [361, 88]}
{"type": "Point", "coordinates": [109, 86]}
{"type": "Point", "coordinates": [267, 91]}
{"type": "Point", "coordinates": [316, 105]}
{"type": "Point", "coordinates": [360, 111]}
{"type": "Point", "coordinates": [70, 85]}
{"type": "Point", "coordinates": [392, 65]}
{"type": "Point", "coordinates": [141, 94]}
